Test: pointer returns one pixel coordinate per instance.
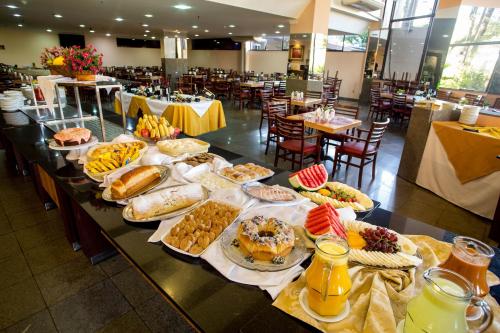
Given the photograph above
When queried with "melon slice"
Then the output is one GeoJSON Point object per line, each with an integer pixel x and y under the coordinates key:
{"type": "Point", "coordinates": [309, 179]}
{"type": "Point", "coordinates": [322, 220]}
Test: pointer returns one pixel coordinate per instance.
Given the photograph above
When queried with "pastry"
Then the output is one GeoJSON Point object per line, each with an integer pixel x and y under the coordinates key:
{"type": "Point", "coordinates": [198, 229]}
{"type": "Point", "coordinates": [133, 181]}
{"type": "Point", "coordinates": [270, 193]}
{"type": "Point", "coordinates": [72, 136]}
{"type": "Point", "coordinates": [199, 159]}
{"type": "Point", "coordinates": [265, 239]}
{"type": "Point", "coordinates": [245, 172]}
{"type": "Point", "coordinates": [166, 201]}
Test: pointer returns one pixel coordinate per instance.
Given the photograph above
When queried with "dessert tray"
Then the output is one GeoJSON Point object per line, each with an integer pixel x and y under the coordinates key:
{"type": "Point", "coordinates": [164, 174]}
{"type": "Point", "coordinates": [245, 173]}
{"type": "Point", "coordinates": [230, 247]}
{"type": "Point", "coordinates": [194, 232]}
{"type": "Point", "coordinates": [340, 196]}
{"type": "Point", "coordinates": [273, 194]}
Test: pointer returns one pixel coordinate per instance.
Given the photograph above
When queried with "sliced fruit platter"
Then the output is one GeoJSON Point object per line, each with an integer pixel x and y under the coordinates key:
{"type": "Point", "coordinates": [151, 128]}
{"type": "Point", "coordinates": [312, 183]}
{"type": "Point", "coordinates": [106, 158]}
{"type": "Point", "coordinates": [369, 245]}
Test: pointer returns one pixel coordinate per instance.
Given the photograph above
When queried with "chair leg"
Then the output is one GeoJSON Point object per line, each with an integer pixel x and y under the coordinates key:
{"type": "Point", "coordinates": [277, 154]}
{"type": "Point", "coordinates": [373, 165]}
{"type": "Point", "coordinates": [301, 161]}
{"type": "Point", "coordinates": [267, 143]}
{"type": "Point", "coordinates": [261, 120]}
{"type": "Point", "coordinates": [335, 161]}
{"type": "Point", "coordinates": [349, 158]}
{"type": "Point", "coordinates": [360, 175]}
{"type": "Point", "coordinates": [293, 161]}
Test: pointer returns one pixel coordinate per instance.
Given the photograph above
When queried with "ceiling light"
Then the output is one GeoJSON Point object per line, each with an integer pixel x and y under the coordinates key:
{"type": "Point", "coordinates": [108, 34]}
{"type": "Point", "coordinates": [187, 37]}
{"type": "Point", "coordinates": [263, 35]}
{"type": "Point", "coordinates": [119, 19]}
{"type": "Point", "coordinates": [57, 15]}
{"type": "Point", "coordinates": [176, 36]}
{"type": "Point", "coordinates": [11, 6]}
{"type": "Point", "coordinates": [20, 25]}
{"type": "Point", "coordinates": [82, 25]}
{"type": "Point", "coordinates": [153, 37]}
{"type": "Point", "coordinates": [231, 26]}
{"type": "Point", "coordinates": [91, 31]}
{"type": "Point", "coordinates": [147, 31]}
{"type": "Point", "coordinates": [49, 30]}
{"type": "Point", "coordinates": [304, 36]}
{"type": "Point", "coordinates": [206, 30]}
{"type": "Point", "coordinates": [197, 35]}
{"type": "Point", "coordinates": [194, 26]}
{"type": "Point", "coordinates": [16, 15]}
{"type": "Point", "coordinates": [176, 31]}
{"type": "Point", "coordinates": [280, 26]}
{"type": "Point", "coordinates": [148, 15]}
{"type": "Point", "coordinates": [145, 35]}
{"type": "Point", "coordinates": [182, 7]}
{"type": "Point", "coordinates": [145, 25]}
{"type": "Point", "coordinates": [276, 32]}
{"type": "Point", "coordinates": [446, 36]}
{"type": "Point", "coordinates": [229, 33]}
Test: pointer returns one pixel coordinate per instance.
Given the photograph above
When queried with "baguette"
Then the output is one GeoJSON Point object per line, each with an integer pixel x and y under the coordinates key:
{"type": "Point", "coordinates": [133, 181]}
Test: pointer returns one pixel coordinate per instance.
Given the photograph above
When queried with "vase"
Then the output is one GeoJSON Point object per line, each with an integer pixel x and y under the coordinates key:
{"type": "Point", "coordinates": [85, 76]}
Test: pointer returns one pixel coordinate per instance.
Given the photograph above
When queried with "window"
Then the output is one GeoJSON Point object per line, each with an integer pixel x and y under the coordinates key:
{"type": "Point", "coordinates": [413, 8]}
{"type": "Point", "coordinates": [270, 43]}
{"type": "Point", "coordinates": [474, 49]}
{"type": "Point", "coordinates": [347, 42]}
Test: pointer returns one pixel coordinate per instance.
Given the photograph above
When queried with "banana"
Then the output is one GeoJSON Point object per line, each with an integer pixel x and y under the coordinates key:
{"type": "Point", "coordinates": [155, 118]}
{"type": "Point", "coordinates": [162, 130]}
{"type": "Point", "coordinates": [108, 164]}
{"type": "Point", "coordinates": [101, 166]}
{"type": "Point", "coordinates": [148, 125]}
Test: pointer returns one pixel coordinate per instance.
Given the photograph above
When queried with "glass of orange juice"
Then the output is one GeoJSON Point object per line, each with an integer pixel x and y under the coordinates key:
{"type": "Point", "coordinates": [327, 278]}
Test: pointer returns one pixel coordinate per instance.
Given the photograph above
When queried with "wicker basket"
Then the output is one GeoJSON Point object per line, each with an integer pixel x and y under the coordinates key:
{"type": "Point", "coordinates": [85, 76]}
{"type": "Point", "coordinates": [61, 70]}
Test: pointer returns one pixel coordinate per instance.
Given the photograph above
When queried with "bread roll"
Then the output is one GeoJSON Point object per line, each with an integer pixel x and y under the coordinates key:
{"type": "Point", "coordinates": [133, 181]}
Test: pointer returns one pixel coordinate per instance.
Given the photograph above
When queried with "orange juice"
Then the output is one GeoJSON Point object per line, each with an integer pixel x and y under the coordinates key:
{"type": "Point", "coordinates": [327, 278]}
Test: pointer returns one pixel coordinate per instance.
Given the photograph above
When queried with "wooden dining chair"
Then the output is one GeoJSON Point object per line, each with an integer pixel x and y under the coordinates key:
{"type": "Point", "coordinates": [287, 99]}
{"type": "Point", "coordinates": [242, 95]}
{"type": "Point", "coordinates": [342, 110]}
{"type": "Point", "coordinates": [400, 107]}
{"type": "Point", "coordinates": [280, 90]}
{"type": "Point", "coordinates": [265, 98]}
{"type": "Point", "coordinates": [269, 85]}
{"type": "Point", "coordinates": [336, 87]}
{"type": "Point", "coordinates": [313, 94]}
{"type": "Point", "coordinates": [293, 141]}
{"type": "Point", "coordinates": [273, 109]}
{"type": "Point", "coordinates": [222, 89]}
{"type": "Point", "coordinates": [473, 99]}
{"type": "Point", "coordinates": [364, 149]}
{"type": "Point", "coordinates": [378, 106]}
{"type": "Point", "coordinates": [443, 95]}
{"type": "Point", "coordinates": [496, 105]}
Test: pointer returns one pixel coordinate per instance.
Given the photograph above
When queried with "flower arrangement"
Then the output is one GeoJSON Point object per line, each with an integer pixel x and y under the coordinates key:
{"type": "Point", "coordinates": [53, 56]}
{"type": "Point", "coordinates": [84, 60]}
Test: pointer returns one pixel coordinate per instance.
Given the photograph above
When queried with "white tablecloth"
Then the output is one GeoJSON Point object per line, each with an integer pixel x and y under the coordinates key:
{"type": "Point", "coordinates": [157, 107]}
{"type": "Point", "coordinates": [437, 174]}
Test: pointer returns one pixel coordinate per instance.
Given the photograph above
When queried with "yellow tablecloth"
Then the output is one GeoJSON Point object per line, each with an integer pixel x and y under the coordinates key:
{"type": "Point", "coordinates": [378, 298]}
{"type": "Point", "coordinates": [473, 155]}
{"type": "Point", "coordinates": [181, 115]}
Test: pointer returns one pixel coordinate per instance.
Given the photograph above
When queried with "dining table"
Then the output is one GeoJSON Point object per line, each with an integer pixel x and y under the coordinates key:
{"type": "Point", "coordinates": [335, 125]}
{"type": "Point", "coordinates": [305, 102]}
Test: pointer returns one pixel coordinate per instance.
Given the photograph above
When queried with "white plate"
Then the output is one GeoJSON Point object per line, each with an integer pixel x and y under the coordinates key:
{"type": "Point", "coordinates": [219, 173]}
{"type": "Point", "coordinates": [298, 197]}
{"type": "Point", "coordinates": [127, 212]}
{"type": "Point", "coordinates": [53, 144]}
{"type": "Point", "coordinates": [215, 240]}
{"type": "Point", "coordinates": [164, 174]}
{"type": "Point", "coordinates": [330, 319]}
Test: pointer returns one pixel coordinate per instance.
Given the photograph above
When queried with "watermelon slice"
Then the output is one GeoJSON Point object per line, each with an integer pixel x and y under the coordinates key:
{"type": "Point", "coordinates": [322, 220]}
{"type": "Point", "coordinates": [309, 179]}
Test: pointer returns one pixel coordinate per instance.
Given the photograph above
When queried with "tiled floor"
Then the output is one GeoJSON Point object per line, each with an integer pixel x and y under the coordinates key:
{"type": "Point", "coordinates": [47, 287]}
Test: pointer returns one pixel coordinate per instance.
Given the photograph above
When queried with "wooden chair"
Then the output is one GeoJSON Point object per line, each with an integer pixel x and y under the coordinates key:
{"type": "Point", "coordinates": [265, 98]}
{"type": "Point", "coordinates": [274, 109]}
{"type": "Point", "coordinates": [443, 95]}
{"type": "Point", "coordinates": [241, 95]}
{"type": "Point", "coordinates": [474, 99]}
{"type": "Point", "coordinates": [313, 94]}
{"type": "Point", "coordinates": [221, 89]}
{"type": "Point", "coordinates": [292, 140]}
{"type": "Point", "coordinates": [364, 149]}
{"type": "Point", "coordinates": [269, 85]}
{"type": "Point", "coordinates": [281, 89]}
{"type": "Point", "coordinates": [400, 107]}
{"type": "Point", "coordinates": [287, 99]}
{"type": "Point", "coordinates": [378, 106]}
{"type": "Point", "coordinates": [343, 110]}
{"type": "Point", "coordinates": [336, 87]}
{"type": "Point", "coordinates": [497, 104]}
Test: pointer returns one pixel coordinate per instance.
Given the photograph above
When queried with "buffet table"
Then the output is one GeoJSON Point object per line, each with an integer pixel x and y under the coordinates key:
{"type": "Point", "coordinates": [193, 119]}
{"type": "Point", "coordinates": [462, 167]}
{"type": "Point", "coordinates": [210, 302]}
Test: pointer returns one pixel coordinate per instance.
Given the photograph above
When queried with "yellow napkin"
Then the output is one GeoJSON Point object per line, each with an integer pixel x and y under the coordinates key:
{"type": "Point", "coordinates": [490, 130]}
{"type": "Point", "coordinates": [378, 298]}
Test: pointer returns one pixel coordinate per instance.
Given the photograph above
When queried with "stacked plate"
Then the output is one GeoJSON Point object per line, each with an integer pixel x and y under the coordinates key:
{"type": "Point", "coordinates": [16, 118]}
{"type": "Point", "coordinates": [12, 100]}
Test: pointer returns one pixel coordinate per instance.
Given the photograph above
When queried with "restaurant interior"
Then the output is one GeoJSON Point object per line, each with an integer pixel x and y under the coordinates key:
{"type": "Point", "coordinates": [250, 166]}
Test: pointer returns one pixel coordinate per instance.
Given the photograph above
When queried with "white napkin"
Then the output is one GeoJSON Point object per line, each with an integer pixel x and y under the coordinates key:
{"type": "Point", "coordinates": [154, 156]}
{"type": "Point", "coordinates": [47, 84]}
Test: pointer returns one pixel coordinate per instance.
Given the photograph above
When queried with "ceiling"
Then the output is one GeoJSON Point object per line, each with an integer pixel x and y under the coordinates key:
{"type": "Point", "coordinates": [100, 16]}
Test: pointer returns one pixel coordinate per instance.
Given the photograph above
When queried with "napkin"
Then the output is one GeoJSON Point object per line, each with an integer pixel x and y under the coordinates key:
{"type": "Point", "coordinates": [154, 156]}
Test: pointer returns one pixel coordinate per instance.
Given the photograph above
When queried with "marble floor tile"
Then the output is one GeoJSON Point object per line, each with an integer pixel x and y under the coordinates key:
{"type": "Point", "coordinates": [13, 269]}
{"type": "Point", "coordinates": [114, 265]}
{"type": "Point", "coordinates": [39, 234]}
{"type": "Point", "coordinates": [8, 245]}
{"type": "Point", "coordinates": [90, 309]}
{"type": "Point", "coordinates": [68, 279]}
{"type": "Point", "coordinates": [40, 322]}
{"type": "Point", "coordinates": [133, 286]}
{"type": "Point", "coordinates": [5, 226]}
{"type": "Point", "coordinates": [32, 217]}
{"type": "Point", "coordinates": [19, 301]}
{"type": "Point", "coordinates": [160, 317]}
{"type": "Point", "coordinates": [129, 322]}
{"type": "Point", "coordinates": [50, 255]}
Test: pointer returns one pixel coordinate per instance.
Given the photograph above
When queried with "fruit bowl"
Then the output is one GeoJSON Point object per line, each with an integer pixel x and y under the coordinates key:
{"type": "Point", "coordinates": [156, 139]}
{"type": "Point", "coordinates": [152, 129]}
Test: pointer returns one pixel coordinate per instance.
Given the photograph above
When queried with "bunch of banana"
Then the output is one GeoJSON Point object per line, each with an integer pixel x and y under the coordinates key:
{"type": "Point", "coordinates": [151, 127]}
{"type": "Point", "coordinates": [113, 157]}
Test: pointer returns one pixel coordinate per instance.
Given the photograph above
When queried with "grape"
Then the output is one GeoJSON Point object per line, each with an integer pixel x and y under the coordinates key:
{"type": "Point", "coordinates": [380, 239]}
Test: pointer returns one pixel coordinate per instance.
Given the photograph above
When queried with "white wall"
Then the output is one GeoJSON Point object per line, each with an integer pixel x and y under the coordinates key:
{"type": "Point", "coordinates": [350, 66]}
{"type": "Point", "coordinates": [267, 61]}
{"type": "Point", "coordinates": [23, 47]}
{"type": "Point", "coordinates": [215, 59]}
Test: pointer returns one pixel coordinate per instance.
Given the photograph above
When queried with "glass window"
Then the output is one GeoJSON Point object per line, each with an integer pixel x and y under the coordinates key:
{"type": "Point", "coordinates": [477, 24]}
{"type": "Point", "coordinates": [387, 13]}
{"type": "Point", "coordinates": [355, 42]}
{"type": "Point", "coordinates": [335, 42]}
{"type": "Point", "coordinates": [270, 43]}
{"type": "Point", "coordinates": [286, 43]}
{"type": "Point", "coordinates": [412, 8]}
{"type": "Point", "coordinates": [406, 46]}
{"type": "Point", "coordinates": [258, 44]}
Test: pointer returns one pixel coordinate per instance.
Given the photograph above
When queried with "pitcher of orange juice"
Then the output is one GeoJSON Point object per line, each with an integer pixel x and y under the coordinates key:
{"type": "Point", "coordinates": [327, 278]}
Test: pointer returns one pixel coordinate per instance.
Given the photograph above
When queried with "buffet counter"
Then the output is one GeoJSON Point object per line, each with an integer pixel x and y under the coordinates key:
{"type": "Point", "coordinates": [209, 301]}
{"type": "Point", "coordinates": [195, 118]}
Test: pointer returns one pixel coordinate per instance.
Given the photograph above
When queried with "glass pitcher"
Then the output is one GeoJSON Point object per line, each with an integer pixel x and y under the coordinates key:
{"type": "Point", "coordinates": [441, 306]}
{"type": "Point", "coordinates": [470, 258]}
{"type": "Point", "coordinates": [327, 278]}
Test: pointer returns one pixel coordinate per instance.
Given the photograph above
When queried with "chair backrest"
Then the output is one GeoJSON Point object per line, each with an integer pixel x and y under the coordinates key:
{"type": "Point", "coordinates": [281, 89]}
{"type": "Point", "coordinates": [374, 95]}
{"type": "Point", "coordinates": [443, 95]}
{"type": "Point", "coordinates": [269, 85]}
{"type": "Point", "coordinates": [376, 133]}
{"type": "Point", "coordinates": [290, 129]}
{"type": "Point", "coordinates": [313, 94]}
{"type": "Point", "coordinates": [336, 88]}
{"type": "Point", "coordinates": [347, 111]}
{"type": "Point", "coordinates": [399, 101]}
{"type": "Point", "coordinates": [332, 101]}
{"type": "Point", "coordinates": [497, 104]}
{"type": "Point", "coordinates": [286, 99]}
{"type": "Point", "coordinates": [474, 99]}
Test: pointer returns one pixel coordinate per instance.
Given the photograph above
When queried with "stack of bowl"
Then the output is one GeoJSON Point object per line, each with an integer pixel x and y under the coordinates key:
{"type": "Point", "coordinates": [12, 100]}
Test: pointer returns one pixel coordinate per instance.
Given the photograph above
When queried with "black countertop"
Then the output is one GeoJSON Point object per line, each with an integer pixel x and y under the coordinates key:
{"type": "Point", "coordinates": [209, 300]}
